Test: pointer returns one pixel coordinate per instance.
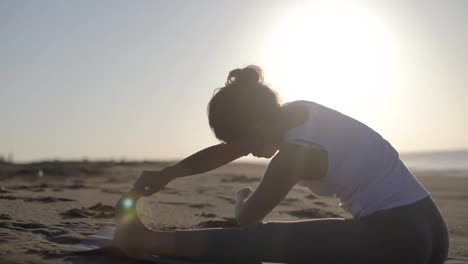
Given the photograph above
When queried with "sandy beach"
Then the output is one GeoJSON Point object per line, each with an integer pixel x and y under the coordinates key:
{"type": "Point", "coordinates": [45, 207]}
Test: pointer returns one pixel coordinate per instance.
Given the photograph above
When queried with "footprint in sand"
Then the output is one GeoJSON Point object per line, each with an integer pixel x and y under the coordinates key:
{"type": "Point", "coordinates": [4, 190]}
{"type": "Point", "coordinates": [47, 199]}
{"type": "Point", "coordinates": [96, 211]}
{"type": "Point", "coordinates": [75, 186]}
{"type": "Point", "coordinates": [114, 190]}
{"type": "Point", "coordinates": [207, 215]}
{"type": "Point", "coordinates": [26, 225]}
{"type": "Point", "coordinates": [202, 190]}
{"type": "Point", "coordinates": [80, 227]}
{"type": "Point", "coordinates": [320, 203]}
{"type": "Point", "coordinates": [102, 207]}
{"type": "Point", "coordinates": [227, 222]}
{"type": "Point", "coordinates": [6, 236]}
{"type": "Point", "coordinates": [29, 187]}
{"type": "Point", "coordinates": [172, 203]}
{"type": "Point", "coordinates": [54, 234]}
{"type": "Point", "coordinates": [41, 187]}
{"type": "Point", "coordinates": [198, 206]}
{"type": "Point", "coordinates": [226, 198]}
{"type": "Point", "coordinates": [7, 197]}
{"type": "Point", "coordinates": [311, 196]}
{"type": "Point", "coordinates": [11, 227]}
{"type": "Point", "coordinates": [288, 201]}
{"type": "Point", "coordinates": [78, 213]}
{"type": "Point", "coordinates": [32, 227]}
{"type": "Point", "coordinates": [5, 217]}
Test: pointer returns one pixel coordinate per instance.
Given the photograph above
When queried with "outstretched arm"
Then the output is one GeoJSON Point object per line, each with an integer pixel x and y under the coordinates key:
{"type": "Point", "coordinates": [204, 160]}
{"type": "Point", "coordinates": [207, 159]}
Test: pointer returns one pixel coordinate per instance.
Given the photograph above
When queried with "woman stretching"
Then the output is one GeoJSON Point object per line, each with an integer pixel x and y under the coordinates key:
{"type": "Point", "coordinates": [394, 218]}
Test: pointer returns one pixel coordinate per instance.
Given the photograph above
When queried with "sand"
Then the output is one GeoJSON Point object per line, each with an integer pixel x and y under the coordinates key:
{"type": "Point", "coordinates": [45, 207]}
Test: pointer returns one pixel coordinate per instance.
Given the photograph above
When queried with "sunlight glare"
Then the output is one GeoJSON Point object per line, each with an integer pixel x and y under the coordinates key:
{"type": "Point", "coordinates": [334, 54]}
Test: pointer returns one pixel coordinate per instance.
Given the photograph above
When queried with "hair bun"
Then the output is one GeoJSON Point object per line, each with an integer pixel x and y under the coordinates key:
{"type": "Point", "coordinates": [249, 76]}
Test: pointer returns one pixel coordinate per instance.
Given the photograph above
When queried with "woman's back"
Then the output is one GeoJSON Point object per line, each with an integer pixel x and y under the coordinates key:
{"type": "Point", "coordinates": [364, 170]}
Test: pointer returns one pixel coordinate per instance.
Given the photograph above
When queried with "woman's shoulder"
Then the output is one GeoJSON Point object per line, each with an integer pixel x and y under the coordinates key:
{"type": "Point", "coordinates": [310, 105]}
{"type": "Point", "coordinates": [298, 103]}
{"type": "Point", "coordinates": [298, 113]}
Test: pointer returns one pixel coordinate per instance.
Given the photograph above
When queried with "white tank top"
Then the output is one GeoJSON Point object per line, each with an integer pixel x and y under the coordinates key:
{"type": "Point", "coordinates": [364, 170]}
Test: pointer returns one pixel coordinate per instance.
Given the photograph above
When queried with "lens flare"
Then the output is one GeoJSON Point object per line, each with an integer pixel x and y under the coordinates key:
{"type": "Point", "coordinates": [128, 211]}
{"type": "Point", "coordinates": [127, 203]}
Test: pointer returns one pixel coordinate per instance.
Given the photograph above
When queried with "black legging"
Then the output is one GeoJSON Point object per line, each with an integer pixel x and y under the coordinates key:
{"type": "Point", "coordinates": [414, 233]}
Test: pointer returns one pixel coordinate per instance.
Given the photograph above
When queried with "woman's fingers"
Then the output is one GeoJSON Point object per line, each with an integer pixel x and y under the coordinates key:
{"type": "Point", "coordinates": [151, 182]}
{"type": "Point", "coordinates": [143, 181]}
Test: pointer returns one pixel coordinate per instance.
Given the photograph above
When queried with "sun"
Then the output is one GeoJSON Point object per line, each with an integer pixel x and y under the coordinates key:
{"type": "Point", "coordinates": [335, 54]}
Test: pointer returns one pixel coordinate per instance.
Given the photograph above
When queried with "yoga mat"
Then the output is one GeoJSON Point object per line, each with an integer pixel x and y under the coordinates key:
{"type": "Point", "coordinates": [100, 244]}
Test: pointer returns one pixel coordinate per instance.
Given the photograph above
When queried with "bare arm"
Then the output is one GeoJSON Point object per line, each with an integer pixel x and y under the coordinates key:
{"type": "Point", "coordinates": [206, 159]}
{"type": "Point", "coordinates": [291, 164]}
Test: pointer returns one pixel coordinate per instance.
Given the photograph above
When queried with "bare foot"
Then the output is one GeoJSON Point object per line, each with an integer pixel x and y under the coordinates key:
{"type": "Point", "coordinates": [130, 232]}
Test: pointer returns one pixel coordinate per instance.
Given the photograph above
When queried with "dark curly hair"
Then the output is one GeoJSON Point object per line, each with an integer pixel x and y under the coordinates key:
{"type": "Point", "coordinates": [242, 102]}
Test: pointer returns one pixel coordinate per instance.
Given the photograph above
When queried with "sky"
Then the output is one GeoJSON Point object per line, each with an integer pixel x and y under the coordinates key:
{"type": "Point", "coordinates": [132, 79]}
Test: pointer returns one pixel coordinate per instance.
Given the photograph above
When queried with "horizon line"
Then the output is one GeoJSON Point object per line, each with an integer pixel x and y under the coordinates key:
{"type": "Point", "coordinates": [84, 159]}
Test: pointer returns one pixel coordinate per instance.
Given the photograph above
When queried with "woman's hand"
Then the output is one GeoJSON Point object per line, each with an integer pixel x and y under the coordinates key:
{"type": "Point", "coordinates": [241, 196]}
{"type": "Point", "coordinates": [151, 182]}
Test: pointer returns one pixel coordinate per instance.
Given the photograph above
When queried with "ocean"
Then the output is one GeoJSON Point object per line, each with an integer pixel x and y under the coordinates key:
{"type": "Point", "coordinates": [448, 163]}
